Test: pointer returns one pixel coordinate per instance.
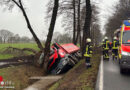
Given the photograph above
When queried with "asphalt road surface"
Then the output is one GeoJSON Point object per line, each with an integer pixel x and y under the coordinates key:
{"type": "Point", "coordinates": [110, 78]}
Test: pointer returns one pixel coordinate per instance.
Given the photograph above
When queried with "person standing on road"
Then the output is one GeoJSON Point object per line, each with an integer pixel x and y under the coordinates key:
{"type": "Point", "coordinates": [115, 45]}
{"type": "Point", "coordinates": [88, 53]}
{"type": "Point", "coordinates": [106, 47]}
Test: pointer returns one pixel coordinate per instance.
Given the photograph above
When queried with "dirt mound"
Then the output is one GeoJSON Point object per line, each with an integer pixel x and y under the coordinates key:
{"type": "Point", "coordinates": [18, 51]}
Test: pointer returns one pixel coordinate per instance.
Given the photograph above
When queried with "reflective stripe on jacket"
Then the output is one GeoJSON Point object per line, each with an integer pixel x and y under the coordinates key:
{"type": "Point", "coordinates": [115, 44]}
{"type": "Point", "coordinates": [106, 45]}
{"type": "Point", "coordinates": [88, 52]}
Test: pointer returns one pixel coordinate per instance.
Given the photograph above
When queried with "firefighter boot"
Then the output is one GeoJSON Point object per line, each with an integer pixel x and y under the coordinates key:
{"type": "Point", "coordinates": [88, 65]}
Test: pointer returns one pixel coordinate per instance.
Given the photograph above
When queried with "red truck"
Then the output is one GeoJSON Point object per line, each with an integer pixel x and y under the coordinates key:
{"type": "Point", "coordinates": [62, 57]}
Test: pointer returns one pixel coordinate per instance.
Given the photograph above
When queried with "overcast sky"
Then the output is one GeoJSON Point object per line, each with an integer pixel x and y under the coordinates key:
{"type": "Point", "coordinates": [106, 10]}
{"type": "Point", "coordinates": [36, 10]}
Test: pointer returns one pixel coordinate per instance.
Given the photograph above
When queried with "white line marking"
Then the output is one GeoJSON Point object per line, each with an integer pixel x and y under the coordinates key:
{"type": "Point", "coordinates": [101, 75]}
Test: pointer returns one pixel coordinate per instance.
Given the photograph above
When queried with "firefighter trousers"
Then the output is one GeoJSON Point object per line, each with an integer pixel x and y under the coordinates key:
{"type": "Point", "coordinates": [87, 60]}
{"type": "Point", "coordinates": [114, 52]}
{"type": "Point", "coordinates": [106, 54]}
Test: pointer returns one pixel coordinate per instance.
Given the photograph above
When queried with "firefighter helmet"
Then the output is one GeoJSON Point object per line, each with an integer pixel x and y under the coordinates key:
{"type": "Point", "coordinates": [106, 38]}
{"type": "Point", "coordinates": [115, 38]}
{"type": "Point", "coordinates": [88, 40]}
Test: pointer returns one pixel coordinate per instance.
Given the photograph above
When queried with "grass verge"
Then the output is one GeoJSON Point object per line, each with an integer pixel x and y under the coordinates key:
{"type": "Point", "coordinates": [19, 45]}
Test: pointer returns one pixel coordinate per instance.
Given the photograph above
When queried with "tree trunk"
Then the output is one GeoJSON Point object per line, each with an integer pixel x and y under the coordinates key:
{"type": "Point", "coordinates": [86, 29]}
{"type": "Point", "coordinates": [20, 5]}
{"type": "Point", "coordinates": [80, 40]}
{"type": "Point", "coordinates": [74, 22]}
{"type": "Point", "coordinates": [50, 34]}
{"type": "Point", "coordinates": [78, 25]}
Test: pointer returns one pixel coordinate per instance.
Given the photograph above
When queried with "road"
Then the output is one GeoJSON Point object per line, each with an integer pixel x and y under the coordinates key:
{"type": "Point", "coordinates": [110, 78]}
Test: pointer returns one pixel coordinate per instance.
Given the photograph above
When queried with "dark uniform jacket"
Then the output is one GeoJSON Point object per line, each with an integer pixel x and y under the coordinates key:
{"type": "Point", "coordinates": [115, 44]}
{"type": "Point", "coordinates": [88, 50]}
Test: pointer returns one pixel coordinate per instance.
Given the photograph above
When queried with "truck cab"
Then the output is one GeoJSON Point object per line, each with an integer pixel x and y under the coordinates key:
{"type": "Point", "coordinates": [124, 48]}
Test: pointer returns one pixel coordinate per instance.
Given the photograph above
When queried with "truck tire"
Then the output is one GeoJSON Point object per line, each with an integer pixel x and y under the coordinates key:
{"type": "Point", "coordinates": [72, 63]}
{"type": "Point", "coordinates": [74, 59]}
{"type": "Point", "coordinates": [79, 54]}
{"type": "Point", "coordinates": [76, 55]}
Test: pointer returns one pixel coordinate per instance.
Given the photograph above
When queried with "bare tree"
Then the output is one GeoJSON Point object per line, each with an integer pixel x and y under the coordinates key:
{"type": "Point", "coordinates": [56, 37]}
{"type": "Point", "coordinates": [78, 23]}
{"type": "Point", "coordinates": [0, 39]}
{"type": "Point", "coordinates": [50, 34]}
{"type": "Point", "coordinates": [19, 4]}
{"type": "Point", "coordinates": [122, 12]}
{"type": "Point", "coordinates": [62, 38]}
{"type": "Point", "coordinates": [5, 35]}
{"type": "Point", "coordinates": [68, 10]}
{"type": "Point", "coordinates": [74, 22]}
{"type": "Point", "coordinates": [16, 38]}
{"type": "Point", "coordinates": [25, 39]}
{"type": "Point", "coordinates": [96, 34]}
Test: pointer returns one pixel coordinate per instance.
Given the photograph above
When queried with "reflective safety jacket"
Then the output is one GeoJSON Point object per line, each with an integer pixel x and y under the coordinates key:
{"type": "Point", "coordinates": [115, 44]}
{"type": "Point", "coordinates": [106, 45]}
{"type": "Point", "coordinates": [88, 51]}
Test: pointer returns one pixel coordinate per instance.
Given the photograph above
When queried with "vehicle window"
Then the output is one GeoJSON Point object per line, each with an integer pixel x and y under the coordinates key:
{"type": "Point", "coordinates": [126, 37]}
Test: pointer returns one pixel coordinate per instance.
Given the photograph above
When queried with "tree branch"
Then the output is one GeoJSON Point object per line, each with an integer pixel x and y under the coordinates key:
{"type": "Point", "coordinates": [20, 5]}
{"type": "Point", "coordinates": [16, 3]}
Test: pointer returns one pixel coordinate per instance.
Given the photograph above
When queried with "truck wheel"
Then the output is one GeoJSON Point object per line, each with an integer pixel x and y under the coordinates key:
{"type": "Point", "coordinates": [79, 54]}
{"type": "Point", "coordinates": [76, 55]}
{"type": "Point", "coordinates": [75, 59]}
{"type": "Point", "coordinates": [72, 63]}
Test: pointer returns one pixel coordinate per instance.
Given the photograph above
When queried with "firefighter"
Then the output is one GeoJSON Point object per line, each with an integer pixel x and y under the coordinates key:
{"type": "Point", "coordinates": [88, 52]}
{"type": "Point", "coordinates": [115, 45]}
{"type": "Point", "coordinates": [106, 47]}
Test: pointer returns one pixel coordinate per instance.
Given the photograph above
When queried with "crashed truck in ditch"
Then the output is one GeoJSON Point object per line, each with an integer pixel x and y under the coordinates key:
{"type": "Point", "coordinates": [62, 57]}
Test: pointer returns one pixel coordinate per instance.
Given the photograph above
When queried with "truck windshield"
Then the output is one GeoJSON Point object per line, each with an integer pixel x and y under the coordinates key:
{"type": "Point", "coordinates": [126, 37]}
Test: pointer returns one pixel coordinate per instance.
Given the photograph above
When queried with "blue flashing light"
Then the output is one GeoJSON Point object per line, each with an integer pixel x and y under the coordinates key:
{"type": "Point", "coordinates": [126, 22]}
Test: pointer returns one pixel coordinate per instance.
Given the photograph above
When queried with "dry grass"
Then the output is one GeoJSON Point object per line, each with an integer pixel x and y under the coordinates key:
{"type": "Point", "coordinates": [20, 75]}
